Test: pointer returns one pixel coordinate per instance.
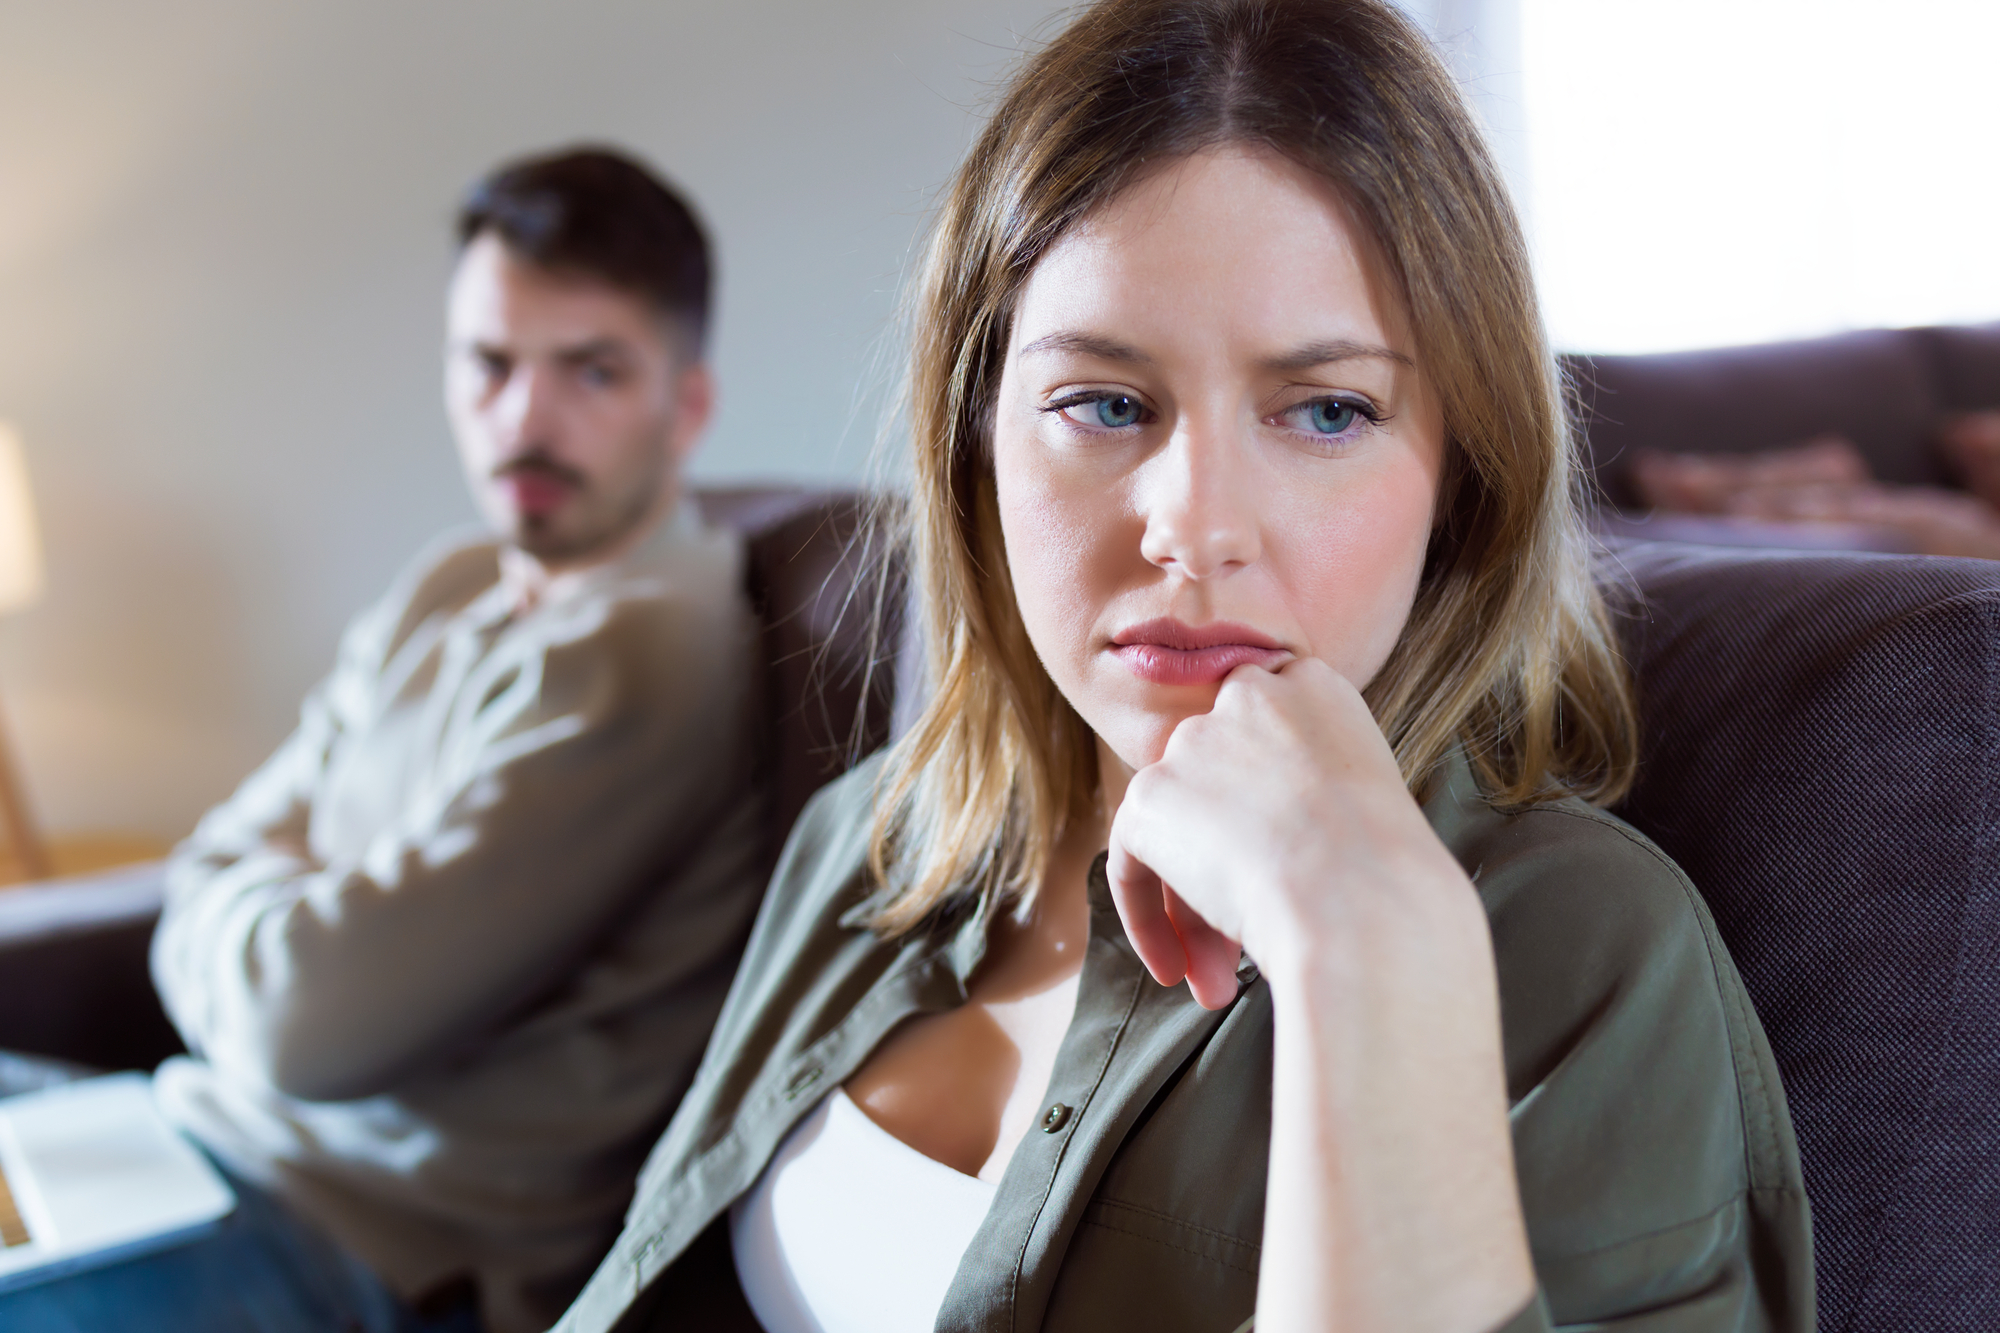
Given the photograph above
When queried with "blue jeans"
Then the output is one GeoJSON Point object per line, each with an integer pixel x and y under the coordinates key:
{"type": "Point", "coordinates": [260, 1271]}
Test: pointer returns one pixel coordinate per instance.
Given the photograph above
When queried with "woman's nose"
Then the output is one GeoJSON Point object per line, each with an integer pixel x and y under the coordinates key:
{"type": "Point", "coordinates": [1201, 517]}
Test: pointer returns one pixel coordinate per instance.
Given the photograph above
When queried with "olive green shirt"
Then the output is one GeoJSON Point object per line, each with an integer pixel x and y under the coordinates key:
{"type": "Point", "coordinates": [1657, 1168]}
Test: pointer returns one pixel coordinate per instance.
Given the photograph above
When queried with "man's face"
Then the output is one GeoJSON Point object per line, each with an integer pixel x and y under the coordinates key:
{"type": "Point", "coordinates": [572, 404]}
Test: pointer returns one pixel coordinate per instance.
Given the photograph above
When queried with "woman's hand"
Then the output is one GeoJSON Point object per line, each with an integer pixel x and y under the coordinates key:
{"type": "Point", "coordinates": [1276, 819]}
{"type": "Point", "coordinates": [1279, 819]}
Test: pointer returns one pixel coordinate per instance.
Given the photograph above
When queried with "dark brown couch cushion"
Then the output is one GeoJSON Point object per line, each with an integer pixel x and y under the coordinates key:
{"type": "Point", "coordinates": [1875, 387]}
{"type": "Point", "coordinates": [1822, 755]}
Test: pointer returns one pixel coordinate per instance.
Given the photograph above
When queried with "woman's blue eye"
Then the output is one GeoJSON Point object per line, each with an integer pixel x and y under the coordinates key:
{"type": "Point", "coordinates": [1331, 417]}
{"type": "Point", "coordinates": [1118, 412]}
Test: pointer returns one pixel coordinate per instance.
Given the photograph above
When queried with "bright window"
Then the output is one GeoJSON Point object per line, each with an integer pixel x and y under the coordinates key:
{"type": "Point", "coordinates": [1706, 172]}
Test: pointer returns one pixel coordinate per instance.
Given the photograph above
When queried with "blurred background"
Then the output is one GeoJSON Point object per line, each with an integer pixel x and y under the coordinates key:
{"type": "Point", "coordinates": [224, 243]}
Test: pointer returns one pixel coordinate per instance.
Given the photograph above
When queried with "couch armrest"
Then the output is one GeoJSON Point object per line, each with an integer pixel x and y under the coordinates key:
{"type": "Point", "coordinates": [74, 983]}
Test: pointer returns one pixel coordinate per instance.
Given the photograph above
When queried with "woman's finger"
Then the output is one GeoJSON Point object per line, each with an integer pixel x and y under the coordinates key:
{"type": "Point", "coordinates": [1140, 898]}
{"type": "Point", "coordinates": [1211, 955]}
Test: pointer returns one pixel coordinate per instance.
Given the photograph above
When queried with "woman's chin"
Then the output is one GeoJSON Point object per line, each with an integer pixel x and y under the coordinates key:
{"type": "Point", "coordinates": [1137, 742]}
{"type": "Point", "coordinates": [1132, 719]}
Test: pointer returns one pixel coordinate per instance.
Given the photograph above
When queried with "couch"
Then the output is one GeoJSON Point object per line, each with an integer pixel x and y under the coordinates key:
{"type": "Point", "coordinates": [1823, 756]}
{"type": "Point", "coordinates": [1887, 390]}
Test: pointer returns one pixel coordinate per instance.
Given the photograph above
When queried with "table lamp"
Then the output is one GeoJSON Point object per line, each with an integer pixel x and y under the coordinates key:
{"type": "Point", "coordinates": [20, 586]}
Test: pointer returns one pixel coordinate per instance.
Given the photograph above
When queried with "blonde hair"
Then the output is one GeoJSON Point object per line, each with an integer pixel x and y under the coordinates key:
{"type": "Point", "coordinates": [1507, 651]}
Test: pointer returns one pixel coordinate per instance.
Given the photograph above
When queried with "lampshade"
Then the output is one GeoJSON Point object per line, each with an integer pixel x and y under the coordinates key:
{"type": "Point", "coordinates": [20, 538]}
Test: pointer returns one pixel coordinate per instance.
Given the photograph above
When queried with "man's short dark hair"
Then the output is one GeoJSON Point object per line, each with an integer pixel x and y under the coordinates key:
{"type": "Point", "coordinates": [597, 212]}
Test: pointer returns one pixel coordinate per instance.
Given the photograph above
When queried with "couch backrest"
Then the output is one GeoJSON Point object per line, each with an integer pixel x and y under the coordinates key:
{"type": "Point", "coordinates": [1822, 755]}
{"type": "Point", "coordinates": [828, 674]}
{"type": "Point", "coordinates": [1966, 359]}
{"type": "Point", "coordinates": [1885, 389]}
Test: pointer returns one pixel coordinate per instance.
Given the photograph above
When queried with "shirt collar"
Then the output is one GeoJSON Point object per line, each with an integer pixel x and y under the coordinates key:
{"type": "Point", "coordinates": [680, 527]}
{"type": "Point", "coordinates": [1455, 800]}
{"type": "Point", "coordinates": [958, 934]}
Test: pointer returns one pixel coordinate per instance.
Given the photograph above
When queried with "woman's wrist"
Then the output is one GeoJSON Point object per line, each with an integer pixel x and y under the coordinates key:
{"type": "Point", "coordinates": [1319, 934]}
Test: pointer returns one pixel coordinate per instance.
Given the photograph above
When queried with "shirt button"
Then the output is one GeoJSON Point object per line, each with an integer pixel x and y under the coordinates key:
{"type": "Point", "coordinates": [802, 1079]}
{"type": "Point", "coordinates": [1055, 1118]}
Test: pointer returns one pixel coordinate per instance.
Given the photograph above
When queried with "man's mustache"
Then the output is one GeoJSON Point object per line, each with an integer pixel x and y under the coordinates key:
{"type": "Point", "coordinates": [537, 461]}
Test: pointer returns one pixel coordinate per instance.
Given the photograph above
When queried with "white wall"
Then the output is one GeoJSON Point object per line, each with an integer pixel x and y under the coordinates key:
{"type": "Point", "coordinates": [223, 240]}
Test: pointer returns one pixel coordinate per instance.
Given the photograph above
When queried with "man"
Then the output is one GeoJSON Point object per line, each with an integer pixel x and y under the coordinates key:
{"type": "Point", "coordinates": [447, 961]}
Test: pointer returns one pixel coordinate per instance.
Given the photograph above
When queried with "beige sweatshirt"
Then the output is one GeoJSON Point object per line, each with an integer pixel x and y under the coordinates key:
{"type": "Point", "coordinates": [446, 962]}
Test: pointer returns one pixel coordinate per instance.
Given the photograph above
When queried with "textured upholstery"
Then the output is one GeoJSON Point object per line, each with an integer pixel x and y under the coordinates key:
{"type": "Point", "coordinates": [1822, 755]}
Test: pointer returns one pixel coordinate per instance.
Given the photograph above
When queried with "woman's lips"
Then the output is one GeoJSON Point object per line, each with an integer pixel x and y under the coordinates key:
{"type": "Point", "coordinates": [1167, 652]}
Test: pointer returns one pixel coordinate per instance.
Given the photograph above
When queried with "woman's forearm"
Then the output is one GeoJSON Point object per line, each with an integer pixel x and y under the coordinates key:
{"type": "Point", "coordinates": [1280, 819]}
{"type": "Point", "coordinates": [1392, 1203]}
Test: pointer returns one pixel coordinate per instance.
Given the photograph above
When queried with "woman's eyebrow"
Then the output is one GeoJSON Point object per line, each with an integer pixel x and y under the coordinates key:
{"type": "Point", "coordinates": [1304, 357]}
{"type": "Point", "coordinates": [1339, 349]}
{"type": "Point", "coordinates": [1087, 344]}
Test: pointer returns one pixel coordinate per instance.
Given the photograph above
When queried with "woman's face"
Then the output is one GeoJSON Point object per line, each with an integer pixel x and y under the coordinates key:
{"type": "Point", "coordinates": [1212, 445]}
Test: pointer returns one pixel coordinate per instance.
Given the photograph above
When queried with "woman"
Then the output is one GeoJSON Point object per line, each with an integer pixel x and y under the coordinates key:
{"type": "Point", "coordinates": [1259, 615]}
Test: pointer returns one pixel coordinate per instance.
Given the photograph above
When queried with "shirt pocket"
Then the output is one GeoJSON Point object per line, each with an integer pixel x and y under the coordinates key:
{"type": "Point", "coordinates": [1135, 1267]}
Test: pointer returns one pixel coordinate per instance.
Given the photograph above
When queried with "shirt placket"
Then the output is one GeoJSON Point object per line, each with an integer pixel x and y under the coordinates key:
{"type": "Point", "coordinates": [1127, 1038]}
{"type": "Point", "coordinates": [926, 979]}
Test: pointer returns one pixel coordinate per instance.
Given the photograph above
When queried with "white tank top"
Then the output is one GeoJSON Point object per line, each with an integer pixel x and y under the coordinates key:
{"type": "Point", "coordinates": [851, 1230]}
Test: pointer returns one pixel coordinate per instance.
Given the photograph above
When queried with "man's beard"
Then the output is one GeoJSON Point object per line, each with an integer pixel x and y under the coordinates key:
{"type": "Point", "coordinates": [597, 524]}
